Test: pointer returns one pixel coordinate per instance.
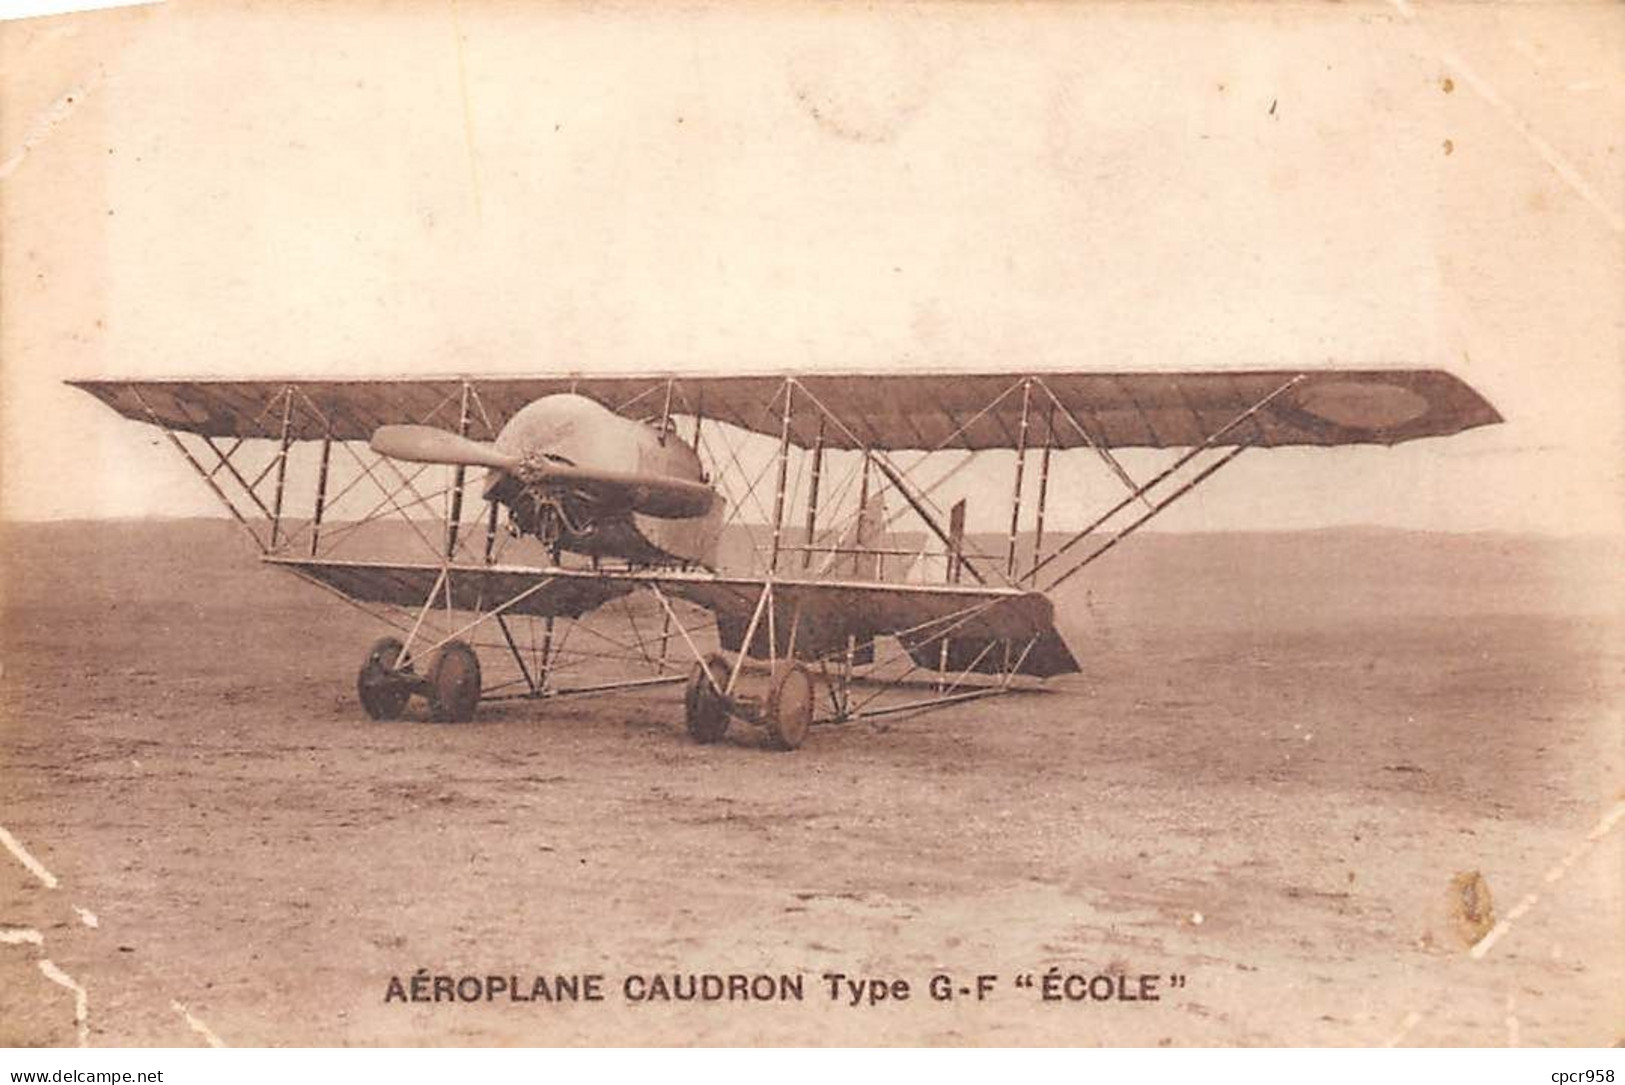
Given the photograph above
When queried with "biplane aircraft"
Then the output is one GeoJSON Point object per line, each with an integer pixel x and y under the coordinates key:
{"type": "Point", "coordinates": [781, 531]}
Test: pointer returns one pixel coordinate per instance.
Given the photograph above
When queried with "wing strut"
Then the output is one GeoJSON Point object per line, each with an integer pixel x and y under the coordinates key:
{"type": "Point", "coordinates": [1141, 491]}
{"type": "Point", "coordinates": [924, 514]}
{"type": "Point", "coordinates": [896, 479]}
{"type": "Point", "coordinates": [1146, 517]}
{"type": "Point", "coordinates": [203, 473]}
{"type": "Point", "coordinates": [1101, 450]}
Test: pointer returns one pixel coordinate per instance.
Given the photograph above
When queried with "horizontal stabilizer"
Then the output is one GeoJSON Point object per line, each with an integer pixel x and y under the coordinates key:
{"type": "Point", "coordinates": [987, 630]}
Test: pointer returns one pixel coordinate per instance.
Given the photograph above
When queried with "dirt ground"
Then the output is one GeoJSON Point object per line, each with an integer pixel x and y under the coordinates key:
{"type": "Point", "coordinates": [1281, 751]}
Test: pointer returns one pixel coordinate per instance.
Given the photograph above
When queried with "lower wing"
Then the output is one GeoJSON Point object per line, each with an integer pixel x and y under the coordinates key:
{"type": "Point", "coordinates": [943, 627]}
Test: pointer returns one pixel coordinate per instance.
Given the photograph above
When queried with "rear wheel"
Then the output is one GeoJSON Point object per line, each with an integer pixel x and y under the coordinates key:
{"type": "Point", "coordinates": [454, 683]}
{"type": "Point", "coordinates": [790, 707]}
{"type": "Point", "coordinates": [383, 689]}
{"type": "Point", "coordinates": [705, 709]}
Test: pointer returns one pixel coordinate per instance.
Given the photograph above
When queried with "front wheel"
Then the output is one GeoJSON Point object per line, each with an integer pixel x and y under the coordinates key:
{"type": "Point", "coordinates": [383, 689]}
{"type": "Point", "coordinates": [790, 707]}
{"type": "Point", "coordinates": [454, 683]}
{"type": "Point", "coordinates": [705, 708]}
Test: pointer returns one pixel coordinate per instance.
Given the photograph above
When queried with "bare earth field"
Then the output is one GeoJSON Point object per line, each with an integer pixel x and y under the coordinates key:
{"type": "Point", "coordinates": [1281, 751]}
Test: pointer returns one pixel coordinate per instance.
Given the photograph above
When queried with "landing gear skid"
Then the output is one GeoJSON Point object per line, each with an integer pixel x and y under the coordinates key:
{"type": "Point", "coordinates": [784, 709]}
{"type": "Point", "coordinates": [452, 686]}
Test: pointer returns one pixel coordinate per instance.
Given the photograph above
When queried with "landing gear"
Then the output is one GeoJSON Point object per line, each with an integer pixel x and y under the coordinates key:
{"type": "Point", "coordinates": [452, 686]}
{"type": "Point", "coordinates": [705, 708]}
{"type": "Point", "coordinates": [789, 706]}
{"type": "Point", "coordinates": [785, 709]}
{"type": "Point", "coordinates": [383, 689]}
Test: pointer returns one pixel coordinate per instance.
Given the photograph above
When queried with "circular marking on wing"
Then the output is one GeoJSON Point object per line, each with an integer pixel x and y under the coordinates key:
{"type": "Point", "coordinates": [1363, 405]}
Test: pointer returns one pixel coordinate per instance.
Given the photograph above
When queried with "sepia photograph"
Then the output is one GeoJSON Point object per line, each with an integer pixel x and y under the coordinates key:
{"type": "Point", "coordinates": [562, 524]}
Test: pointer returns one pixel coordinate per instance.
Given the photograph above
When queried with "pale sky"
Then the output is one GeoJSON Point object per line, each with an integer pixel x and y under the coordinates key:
{"type": "Point", "coordinates": [363, 189]}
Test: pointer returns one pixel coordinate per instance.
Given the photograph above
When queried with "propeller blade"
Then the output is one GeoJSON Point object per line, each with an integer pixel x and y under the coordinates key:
{"type": "Point", "coordinates": [653, 495]}
{"type": "Point", "coordinates": [426, 444]}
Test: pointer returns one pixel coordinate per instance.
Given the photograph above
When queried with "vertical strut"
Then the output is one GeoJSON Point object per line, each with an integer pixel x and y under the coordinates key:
{"type": "Point", "coordinates": [547, 653]}
{"type": "Point", "coordinates": [812, 495]}
{"type": "Point", "coordinates": [455, 516]}
{"type": "Point", "coordinates": [1021, 467]}
{"type": "Point", "coordinates": [665, 412]}
{"type": "Point", "coordinates": [848, 661]}
{"type": "Point", "coordinates": [699, 417]}
{"type": "Point", "coordinates": [491, 533]}
{"type": "Point", "coordinates": [784, 477]}
{"type": "Point", "coordinates": [863, 503]}
{"type": "Point", "coordinates": [281, 466]}
{"type": "Point", "coordinates": [955, 568]}
{"type": "Point", "coordinates": [851, 659]}
{"type": "Point", "coordinates": [956, 541]}
{"type": "Point", "coordinates": [1043, 483]}
{"type": "Point", "coordinates": [321, 494]}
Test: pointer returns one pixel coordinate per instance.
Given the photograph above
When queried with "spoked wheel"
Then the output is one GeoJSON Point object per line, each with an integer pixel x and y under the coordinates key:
{"type": "Point", "coordinates": [384, 690]}
{"type": "Point", "coordinates": [790, 707]}
{"type": "Point", "coordinates": [454, 683]}
{"type": "Point", "coordinates": [705, 709]}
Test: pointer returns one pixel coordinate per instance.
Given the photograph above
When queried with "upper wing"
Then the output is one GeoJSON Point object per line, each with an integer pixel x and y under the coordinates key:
{"type": "Point", "coordinates": [891, 411]}
{"type": "Point", "coordinates": [1155, 410]}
